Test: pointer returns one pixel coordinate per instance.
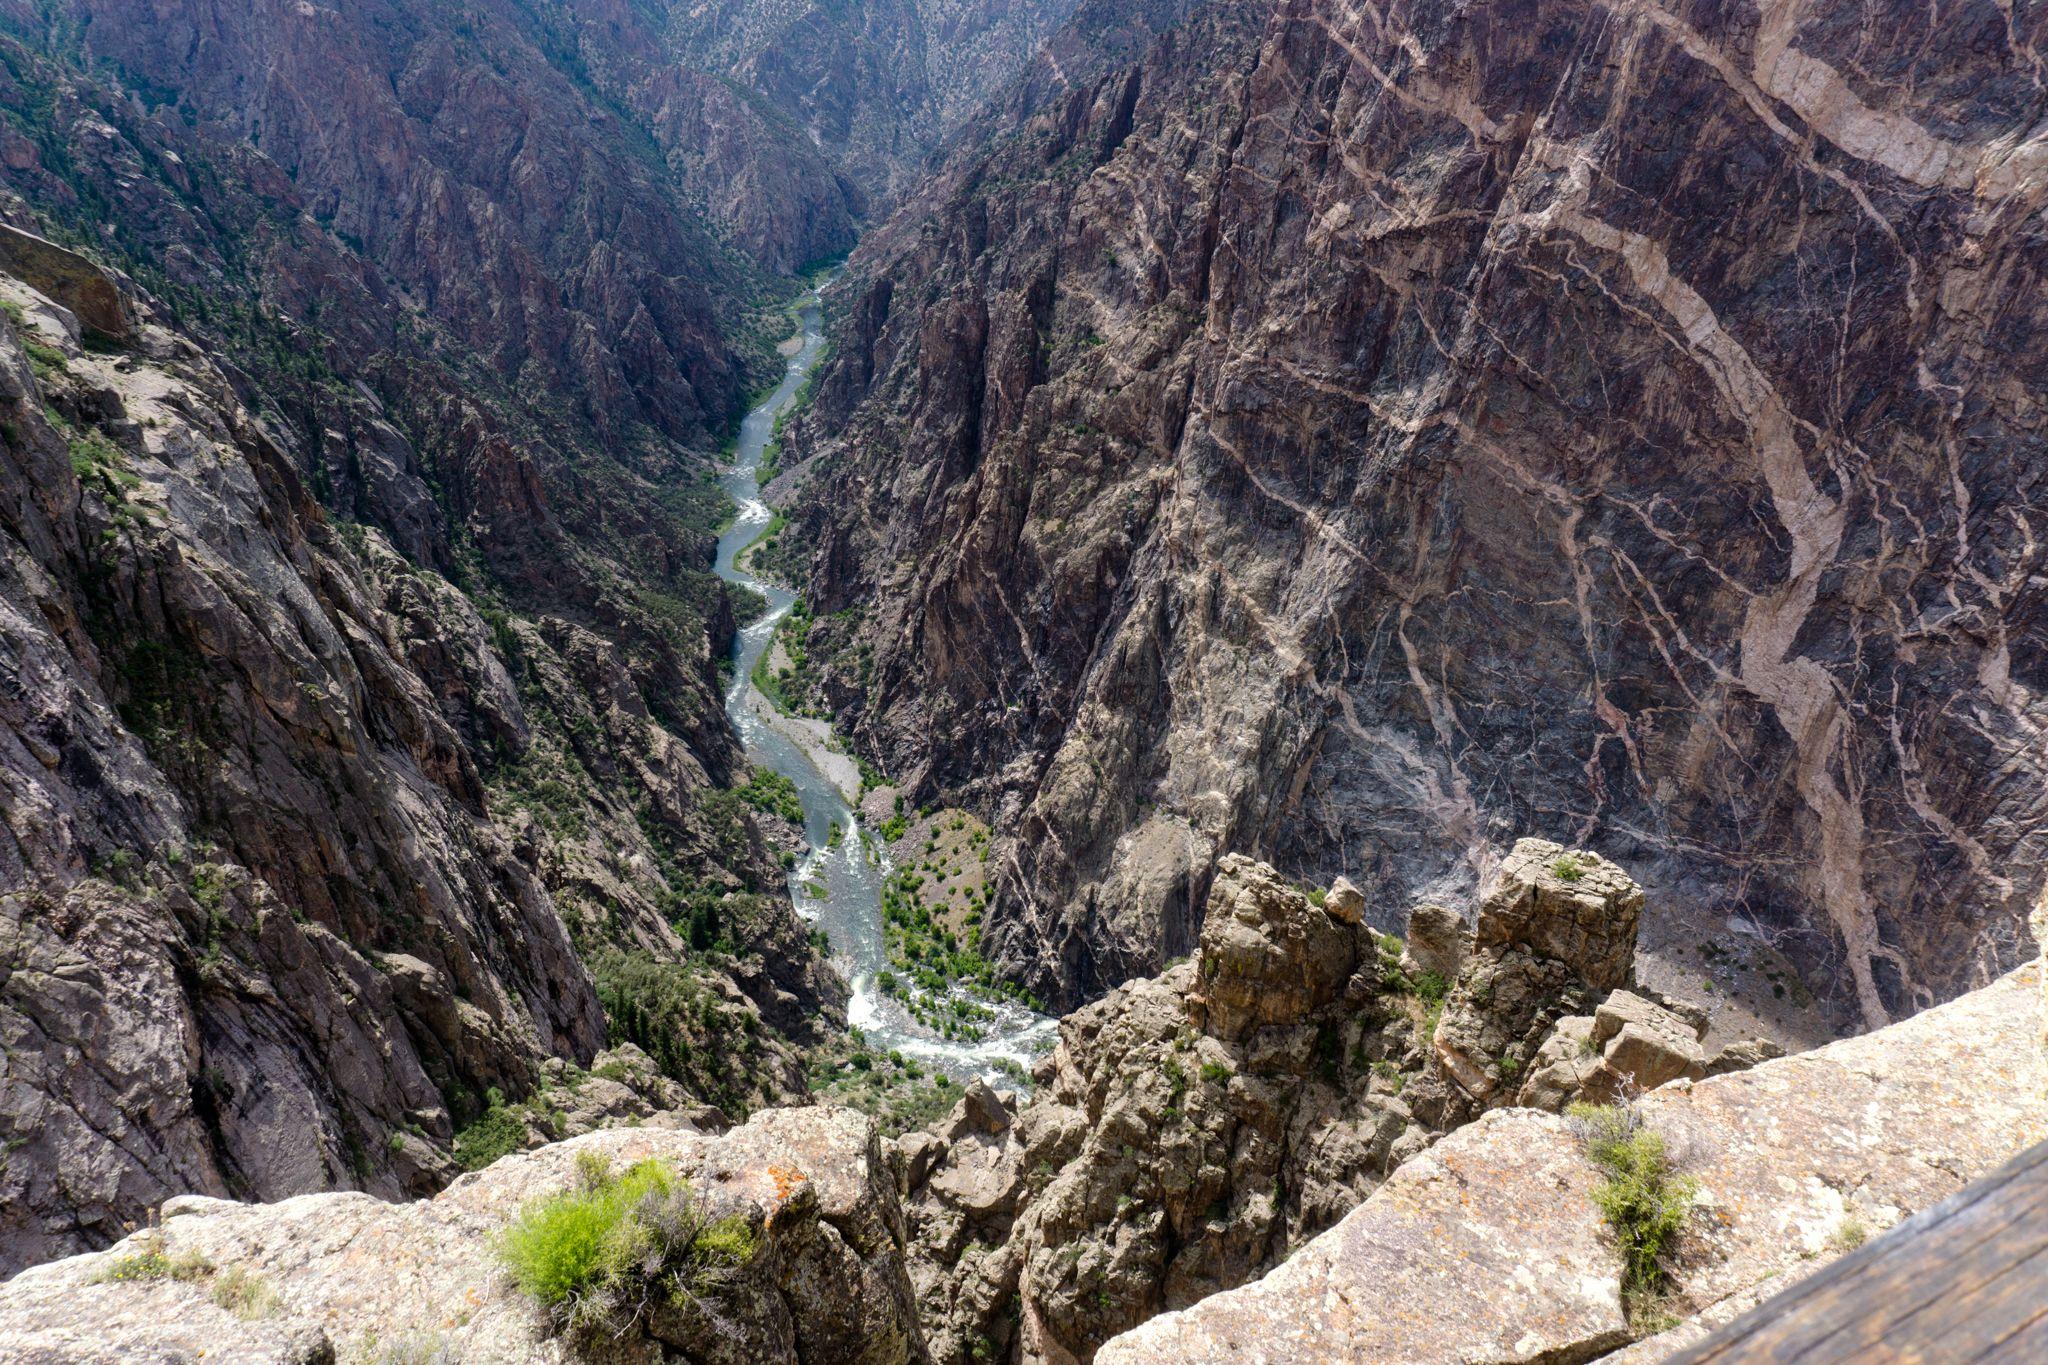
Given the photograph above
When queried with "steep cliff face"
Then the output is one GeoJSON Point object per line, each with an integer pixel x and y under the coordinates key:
{"type": "Point", "coordinates": [304, 856]}
{"type": "Point", "coordinates": [458, 155]}
{"type": "Point", "coordinates": [368, 750]}
{"type": "Point", "coordinates": [878, 85]}
{"type": "Point", "coordinates": [1350, 435]}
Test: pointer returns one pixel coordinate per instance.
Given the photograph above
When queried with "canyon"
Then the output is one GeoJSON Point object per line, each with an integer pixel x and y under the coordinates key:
{"type": "Point", "coordinates": [1033, 680]}
{"type": "Point", "coordinates": [1358, 435]}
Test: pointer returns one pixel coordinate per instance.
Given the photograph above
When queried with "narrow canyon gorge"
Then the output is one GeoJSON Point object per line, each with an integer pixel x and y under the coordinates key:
{"type": "Point", "coordinates": [1011, 680]}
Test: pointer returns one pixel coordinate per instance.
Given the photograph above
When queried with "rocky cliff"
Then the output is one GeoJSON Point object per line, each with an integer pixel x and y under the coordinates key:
{"type": "Point", "coordinates": [1354, 435]}
{"type": "Point", "coordinates": [1191, 1131]}
{"type": "Point", "coordinates": [366, 727]}
{"type": "Point", "coordinates": [1491, 1246]}
{"type": "Point", "coordinates": [876, 86]}
{"type": "Point", "coordinates": [346, 1276]}
{"type": "Point", "coordinates": [310, 864]}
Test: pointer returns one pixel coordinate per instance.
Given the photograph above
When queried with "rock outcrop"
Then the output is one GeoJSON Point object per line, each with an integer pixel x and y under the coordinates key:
{"type": "Point", "coordinates": [1545, 1008]}
{"type": "Point", "coordinates": [1490, 1246]}
{"type": "Point", "coordinates": [69, 280]}
{"type": "Point", "coordinates": [1354, 434]}
{"type": "Point", "coordinates": [1186, 1131]}
{"type": "Point", "coordinates": [346, 1276]}
{"type": "Point", "coordinates": [1190, 1130]}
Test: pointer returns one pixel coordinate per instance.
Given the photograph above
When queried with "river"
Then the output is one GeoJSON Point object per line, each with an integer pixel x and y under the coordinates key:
{"type": "Point", "coordinates": [852, 868]}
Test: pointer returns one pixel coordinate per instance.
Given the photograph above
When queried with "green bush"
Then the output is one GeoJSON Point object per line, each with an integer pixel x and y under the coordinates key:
{"type": "Point", "coordinates": [770, 792]}
{"type": "Point", "coordinates": [1567, 868]}
{"type": "Point", "coordinates": [1643, 1200]}
{"type": "Point", "coordinates": [560, 1242]}
{"type": "Point", "coordinates": [728, 1243]}
{"type": "Point", "coordinates": [497, 1132]}
{"type": "Point", "coordinates": [599, 1254]}
{"type": "Point", "coordinates": [44, 360]}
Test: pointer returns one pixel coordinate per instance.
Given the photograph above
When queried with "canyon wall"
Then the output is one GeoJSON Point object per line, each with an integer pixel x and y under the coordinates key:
{"type": "Point", "coordinates": [1352, 435]}
{"type": "Point", "coordinates": [311, 863]}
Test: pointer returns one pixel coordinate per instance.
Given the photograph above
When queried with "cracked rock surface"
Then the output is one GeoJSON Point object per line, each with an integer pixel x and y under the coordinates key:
{"type": "Point", "coordinates": [1490, 1246]}
{"type": "Point", "coordinates": [354, 1276]}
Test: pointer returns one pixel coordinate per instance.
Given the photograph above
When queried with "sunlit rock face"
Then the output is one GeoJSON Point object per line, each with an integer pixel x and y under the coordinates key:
{"type": "Point", "coordinates": [345, 1276]}
{"type": "Point", "coordinates": [1357, 436]}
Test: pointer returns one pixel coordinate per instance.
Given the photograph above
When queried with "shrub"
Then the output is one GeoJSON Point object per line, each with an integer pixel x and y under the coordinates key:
{"type": "Point", "coordinates": [1567, 868]}
{"type": "Point", "coordinates": [726, 1244]}
{"type": "Point", "coordinates": [599, 1254]}
{"type": "Point", "coordinates": [498, 1132]}
{"type": "Point", "coordinates": [770, 792]}
{"type": "Point", "coordinates": [1643, 1201]}
{"type": "Point", "coordinates": [1215, 1071]}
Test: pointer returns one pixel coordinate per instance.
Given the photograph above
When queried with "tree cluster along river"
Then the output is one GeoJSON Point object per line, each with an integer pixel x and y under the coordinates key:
{"type": "Point", "coordinates": [853, 867]}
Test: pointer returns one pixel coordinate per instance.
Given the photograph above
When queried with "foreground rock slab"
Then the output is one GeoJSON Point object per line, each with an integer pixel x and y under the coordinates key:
{"type": "Point", "coordinates": [356, 1278]}
{"type": "Point", "coordinates": [1489, 1246]}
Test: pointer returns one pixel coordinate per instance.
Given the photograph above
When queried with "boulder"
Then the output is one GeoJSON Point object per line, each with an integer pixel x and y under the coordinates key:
{"type": "Point", "coordinates": [1437, 940]}
{"type": "Point", "coordinates": [1268, 956]}
{"type": "Point", "coordinates": [1640, 1058]}
{"type": "Point", "coordinates": [69, 278]}
{"type": "Point", "coordinates": [1345, 902]}
{"type": "Point", "coordinates": [1559, 1072]}
{"type": "Point", "coordinates": [1635, 1041]}
{"type": "Point", "coordinates": [1570, 906]}
{"type": "Point", "coordinates": [980, 1110]}
{"type": "Point", "coordinates": [1645, 1041]}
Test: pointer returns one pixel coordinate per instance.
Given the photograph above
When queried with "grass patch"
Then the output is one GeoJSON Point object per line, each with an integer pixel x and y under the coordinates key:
{"type": "Point", "coordinates": [245, 1294]}
{"type": "Point", "coordinates": [603, 1253]}
{"type": "Point", "coordinates": [1848, 1235]}
{"type": "Point", "coordinates": [1644, 1201]}
{"type": "Point", "coordinates": [149, 1262]}
{"type": "Point", "coordinates": [1431, 988]}
{"type": "Point", "coordinates": [43, 359]}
